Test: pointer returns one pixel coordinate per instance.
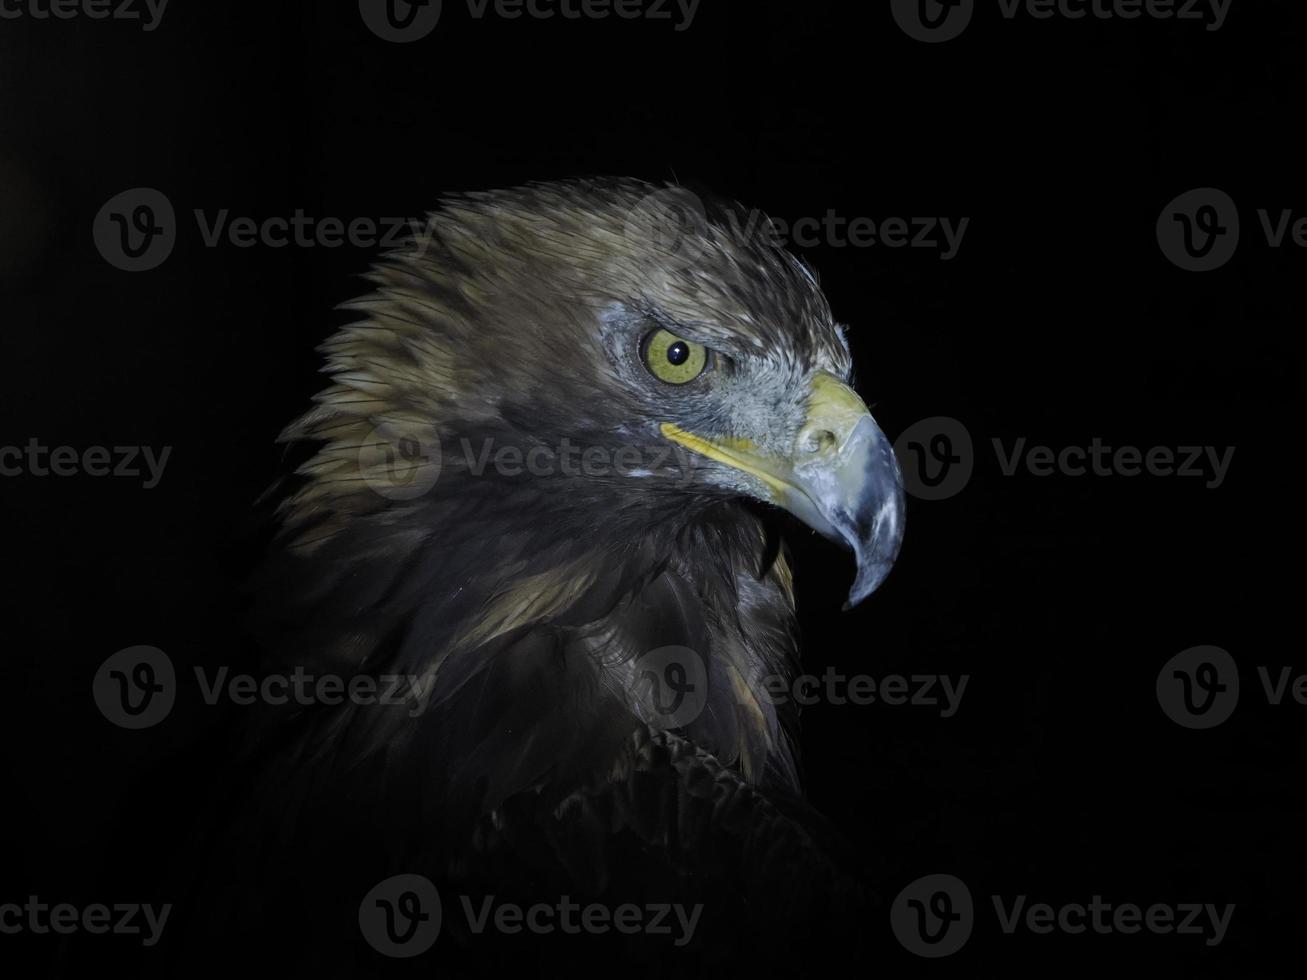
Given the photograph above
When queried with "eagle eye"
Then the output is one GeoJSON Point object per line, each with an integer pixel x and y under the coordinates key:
{"type": "Point", "coordinates": [673, 359]}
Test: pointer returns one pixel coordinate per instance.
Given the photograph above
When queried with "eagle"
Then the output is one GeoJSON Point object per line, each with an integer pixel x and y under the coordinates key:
{"type": "Point", "coordinates": [539, 490]}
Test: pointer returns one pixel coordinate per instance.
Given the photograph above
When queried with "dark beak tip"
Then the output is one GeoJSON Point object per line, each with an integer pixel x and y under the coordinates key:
{"type": "Point", "coordinates": [869, 579]}
{"type": "Point", "coordinates": [876, 558]}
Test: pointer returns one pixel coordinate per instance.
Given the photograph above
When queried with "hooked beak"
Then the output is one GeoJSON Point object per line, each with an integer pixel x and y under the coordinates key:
{"type": "Point", "coordinates": [841, 478]}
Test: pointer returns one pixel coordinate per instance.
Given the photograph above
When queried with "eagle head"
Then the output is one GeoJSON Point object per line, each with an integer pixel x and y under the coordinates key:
{"type": "Point", "coordinates": [608, 355]}
{"type": "Point", "coordinates": [528, 469]}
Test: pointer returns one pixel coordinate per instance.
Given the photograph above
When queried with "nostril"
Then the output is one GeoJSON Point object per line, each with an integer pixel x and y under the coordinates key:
{"type": "Point", "coordinates": [818, 440]}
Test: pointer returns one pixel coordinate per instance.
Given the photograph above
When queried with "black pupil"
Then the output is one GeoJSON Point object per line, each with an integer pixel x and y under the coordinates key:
{"type": "Point", "coordinates": [678, 353]}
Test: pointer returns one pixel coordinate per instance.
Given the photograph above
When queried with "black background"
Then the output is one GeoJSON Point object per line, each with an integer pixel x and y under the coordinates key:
{"type": "Point", "coordinates": [1059, 321]}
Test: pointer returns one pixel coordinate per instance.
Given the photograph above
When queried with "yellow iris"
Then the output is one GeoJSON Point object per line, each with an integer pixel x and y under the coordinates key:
{"type": "Point", "coordinates": [673, 359]}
